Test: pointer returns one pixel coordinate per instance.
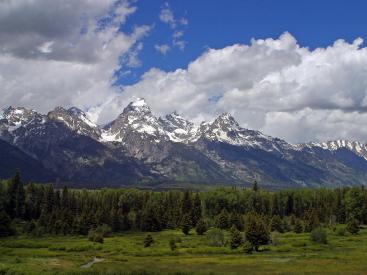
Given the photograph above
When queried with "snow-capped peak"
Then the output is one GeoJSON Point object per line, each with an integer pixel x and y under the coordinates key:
{"type": "Point", "coordinates": [333, 145]}
{"type": "Point", "coordinates": [139, 102]}
{"type": "Point", "coordinates": [15, 117]}
{"type": "Point", "coordinates": [177, 128]}
{"type": "Point", "coordinates": [76, 120]}
{"type": "Point", "coordinates": [136, 117]}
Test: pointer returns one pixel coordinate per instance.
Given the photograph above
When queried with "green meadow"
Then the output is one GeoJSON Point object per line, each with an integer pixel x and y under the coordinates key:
{"type": "Point", "coordinates": [125, 253]}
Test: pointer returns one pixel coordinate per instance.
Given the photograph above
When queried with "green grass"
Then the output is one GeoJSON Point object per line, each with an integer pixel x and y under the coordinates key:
{"type": "Point", "coordinates": [125, 254]}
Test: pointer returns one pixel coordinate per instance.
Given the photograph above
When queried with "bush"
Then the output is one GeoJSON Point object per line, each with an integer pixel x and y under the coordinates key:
{"type": "Point", "coordinates": [201, 227]}
{"type": "Point", "coordinates": [104, 230]}
{"type": "Point", "coordinates": [319, 235]}
{"type": "Point", "coordinates": [215, 237]}
{"type": "Point", "coordinates": [172, 244]}
{"type": "Point", "coordinates": [95, 236]}
{"type": "Point", "coordinates": [148, 240]}
{"type": "Point", "coordinates": [247, 247]}
{"type": "Point", "coordinates": [275, 238]}
{"type": "Point", "coordinates": [298, 228]}
{"type": "Point", "coordinates": [352, 226]}
{"type": "Point", "coordinates": [340, 231]}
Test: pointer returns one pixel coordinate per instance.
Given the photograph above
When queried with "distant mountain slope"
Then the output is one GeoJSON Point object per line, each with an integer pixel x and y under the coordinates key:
{"type": "Point", "coordinates": [139, 148]}
{"type": "Point", "coordinates": [12, 158]}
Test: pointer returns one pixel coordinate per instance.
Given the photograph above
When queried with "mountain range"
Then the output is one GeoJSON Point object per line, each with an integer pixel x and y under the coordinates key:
{"type": "Point", "coordinates": [140, 149]}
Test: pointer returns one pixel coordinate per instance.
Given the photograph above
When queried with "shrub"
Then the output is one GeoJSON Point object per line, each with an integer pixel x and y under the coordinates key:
{"type": "Point", "coordinates": [340, 231]}
{"type": "Point", "coordinates": [95, 236]}
{"type": "Point", "coordinates": [352, 226]}
{"type": "Point", "coordinates": [275, 238]}
{"type": "Point", "coordinates": [298, 228]}
{"type": "Point", "coordinates": [215, 237]}
{"type": "Point", "coordinates": [201, 227]}
{"type": "Point", "coordinates": [319, 235]}
{"type": "Point", "coordinates": [247, 247]}
{"type": "Point", "coordinates": [172, 244]}
{"type": "Point", "coordinates": [148, 240]}
{"type": "Point", "coordinates": [104, 230]}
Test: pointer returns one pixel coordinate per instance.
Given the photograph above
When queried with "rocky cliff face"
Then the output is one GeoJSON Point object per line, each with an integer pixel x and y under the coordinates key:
{"type": "Point", "coordinates": [139, 147]}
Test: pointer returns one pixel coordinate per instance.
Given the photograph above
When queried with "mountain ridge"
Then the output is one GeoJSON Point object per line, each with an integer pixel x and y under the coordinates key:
{"type": "Point", "coordinates": [171, 148]}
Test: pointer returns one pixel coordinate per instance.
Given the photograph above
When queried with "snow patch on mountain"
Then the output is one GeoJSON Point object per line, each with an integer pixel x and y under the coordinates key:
{"type": "Point", "coordinates": [333, 145]}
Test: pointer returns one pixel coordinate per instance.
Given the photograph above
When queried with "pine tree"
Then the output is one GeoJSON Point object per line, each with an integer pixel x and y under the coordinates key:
{"type": "Point", "coordinates": [65, 198]}
{"type": "Point", "coordinates": [256, 232]}
{"type": "Point", "coordinates": [236, 220]}
{"type": "Point", "coordinates": [196, 209]}
{"type": "Point", "coordinates": [150, 220]}
{"type": "Point", "coordinates": [311, 220]}
{"type": "Point", "coordinates": [222, 220]}
{"type": "Point", "coordinates": [186, 224]}
{"type": "Point", "coordinates": [114, 220]}
{"type": "Point", "coordinates": [201, 227]}
{"type": "Point", "coordinates": [5, 228]}
{"type": "Point", "coordinates": [255, 187]}
{"type": "Point", "coordinates": [16, 197]}
{"type": "Point", "coordinates": [276, 224]}
{"type": "Point", "coordinates": [236, 238]}
{"type": "Point", "coordinates": [186, 206]}
{"type": "Point", "coordinates": [275, 205]}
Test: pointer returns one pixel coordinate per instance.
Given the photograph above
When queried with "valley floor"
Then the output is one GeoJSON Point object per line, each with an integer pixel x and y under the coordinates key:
{"type": "Point", "coordinates": [125, 254]}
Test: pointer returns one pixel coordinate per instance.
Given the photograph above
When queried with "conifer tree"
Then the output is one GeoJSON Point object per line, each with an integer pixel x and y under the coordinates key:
{"type": "Point", "coordinates": [16, 197]}
{"type": "Point", "coordinates": [223, 220]}
{"type": "Point", "coordinates": [256, 232]}
{"type": "Point", "coordinates": [186, 207]}
{"type": "Point", "coordinates": [236, 220]}
{"type": "Point", "coordinates": [311, 220]}
{"type": "Point", "coordinates": [186, 224]}
{"type": "Point", "coordinates": [255, 187]}
{"type": "Point", "coordinates": [276, 224]}
{"type": "Point", "coordinates": [275, 205]}
{"type": "Point", "coordinates": [236, 238]}
{"type": "Point", "coordinates": [201, 227]}
{"type": "Point", "coordinates": [196, 209]}
{"type": "Point", "coordinates": [5, 221]}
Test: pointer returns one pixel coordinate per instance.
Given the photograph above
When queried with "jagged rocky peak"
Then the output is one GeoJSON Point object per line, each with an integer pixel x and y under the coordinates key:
{"type": "Point", "coordinates": [15, 117]}
{"type": "Point", "coordinates": [332, 145]}
{"type": "Point", "coordinates": [75, 119]}
{"type": "Point", "coordinates": [226, 122]}
{"type": "Point", "coordinates": [135, 118]}
{"type": "Point", "coordinates": [178, 129]}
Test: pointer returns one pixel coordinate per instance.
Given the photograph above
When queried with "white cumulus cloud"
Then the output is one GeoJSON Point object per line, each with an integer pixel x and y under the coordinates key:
{"type": "Point", "coordinates": [274, 85]}
{"type": "Point", "coordinates": [63, 52]}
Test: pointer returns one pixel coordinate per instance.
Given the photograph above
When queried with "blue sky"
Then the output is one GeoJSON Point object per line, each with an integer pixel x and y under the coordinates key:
{"type": "Point", "coordinates": [219, 23]}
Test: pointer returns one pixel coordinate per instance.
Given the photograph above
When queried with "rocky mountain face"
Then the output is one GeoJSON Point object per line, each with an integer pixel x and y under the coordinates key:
{"type": "Point", "coordinates": [139, 148]}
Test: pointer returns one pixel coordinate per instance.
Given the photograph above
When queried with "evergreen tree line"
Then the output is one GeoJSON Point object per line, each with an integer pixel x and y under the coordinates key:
{"type": "Point", "coordinates": [41, 209]}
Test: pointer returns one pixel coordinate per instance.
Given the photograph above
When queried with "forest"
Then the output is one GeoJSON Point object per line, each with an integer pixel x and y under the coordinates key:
{"type": "Point", "coordinates": [35, 210]}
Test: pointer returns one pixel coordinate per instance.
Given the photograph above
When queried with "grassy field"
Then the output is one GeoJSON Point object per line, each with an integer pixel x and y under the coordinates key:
{"type": "Point", "coordinates": [125, 254]}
